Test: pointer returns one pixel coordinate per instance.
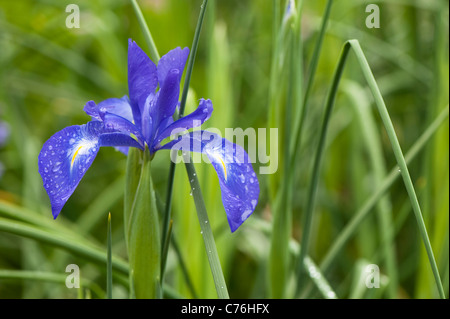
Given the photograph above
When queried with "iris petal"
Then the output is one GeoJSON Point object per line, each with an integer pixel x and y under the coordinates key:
{"type": "Point", "coordinates": [167, 99]}
{"type": "Point", "coordinates": [142, 79]}
{"type": "Point", "coordinates": [118, 123]}
{"type": "Point", "coordinates": [174, 59]}
{"type": "Point", "coordinates": [120, 107]}
{"type": "Point", "coordinates": [238, 182]}
{"type": "Point", "coordinates": [195, 119]}
{"type": "Point", "coordinates": [65, 158]}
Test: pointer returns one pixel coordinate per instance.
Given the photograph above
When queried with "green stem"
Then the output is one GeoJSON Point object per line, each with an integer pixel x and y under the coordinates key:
{"type": "Point", "coordinates": [109, 260]}
{"type": "Point", "coordinates": [146, 31]}
{"type": "Point", "coordinates": [400, 159]}
{"type": "Point", "coordinates": [187, 80]}
{"type": "Point", "coordinates": [307, 222]}
{"type": "Point", "coordinates": [206, 231]}
{"type": "Point", "coordinates": [144, 245]}
{"type": "Point", "coordinates": [350, 229]}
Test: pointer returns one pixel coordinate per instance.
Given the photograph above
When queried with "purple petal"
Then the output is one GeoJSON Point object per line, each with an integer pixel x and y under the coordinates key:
{"type": "Point", "coordinates": [174, 59]}
{"type": "Point", "coordinates": [142, 79]}
{"type": "Point", "coordinates": [195, 119]}
{"type": "Point", "coordinates": [167, 99]}
{"type": "Point", "coordinates": [65, 158]}
{"type": "Point", "coordinates": [115, 122]}
{"type": "Point", "coordinates": [238, 182]}
{"type": "Point", "coordinates": [119, 141]}
{"type": "Point", "coordinates": [120, 107]}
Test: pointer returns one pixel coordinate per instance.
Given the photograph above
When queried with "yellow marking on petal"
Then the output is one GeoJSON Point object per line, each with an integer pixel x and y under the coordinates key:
{"type": "Point", "coordinates": [75, 155]}
{"type": "Point", "coordinates": [224, 168]}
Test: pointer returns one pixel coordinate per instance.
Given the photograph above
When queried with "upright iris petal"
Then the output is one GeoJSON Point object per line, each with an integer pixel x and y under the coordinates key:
{"type": "Point", "coordinates": [142, 79]}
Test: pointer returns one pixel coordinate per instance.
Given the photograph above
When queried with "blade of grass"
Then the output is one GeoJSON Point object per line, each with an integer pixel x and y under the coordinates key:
{"type": "Point", "coordinates": [146, 31]}
{"type": "Point", "coordinates": [7, 274]}
{"type": "Point", "coordinates": [206, 231]}
{"type": "Point", "coordinates": [187, 80]}
{"type": "Point", "coordinates": [399, 157]}
{"type": "Point", "coordinates": [384, 209]}
{"type": "Point", "coordinates": [109, 260]}
{"type": "Point", "coordinates": [307, 221]}
{"type": "Point", "coordinates": [63, 241]}
{"type": "Point", "coordinates": [366, 208]}
{"type": "Point", "coordinates": [354, 44]}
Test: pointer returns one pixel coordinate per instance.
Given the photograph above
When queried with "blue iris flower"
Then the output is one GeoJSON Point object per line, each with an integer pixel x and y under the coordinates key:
{"type": "Point", "coordinates": [144, 120]}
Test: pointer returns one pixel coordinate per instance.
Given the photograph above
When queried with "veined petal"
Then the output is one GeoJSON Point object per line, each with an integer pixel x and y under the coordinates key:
{"type": "Point", "coordinates": [174, 59]}
{"type": "Point", "coordinates": [118, 123]}
{"type": "Point", "coordinates": [167, 99]}
{"type": "Point", "coordinates": [195, 119]}
{"type": "Point", "coordinates": [142, 79]}
{"type": "Point", "coordinates": [238, 182]}
{"type": "Point", "coordinates": [118, 140]}
{"type": "Point", "coordinates": [120, 107]}
{"type": "Point", "coordinates": [65, 158]}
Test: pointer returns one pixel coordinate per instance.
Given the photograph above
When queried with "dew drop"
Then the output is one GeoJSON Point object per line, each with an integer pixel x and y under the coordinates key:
{"type": "Point", "coordinates": [251, 180]}
{"type": "Point", "coordinates": [242, 177]}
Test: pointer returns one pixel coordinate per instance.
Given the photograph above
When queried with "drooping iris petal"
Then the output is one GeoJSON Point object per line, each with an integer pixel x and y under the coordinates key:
{"type": "Point", "coordinates": [118, 123]}
{"type": "Point", "coordinates": [65, 158]}
{"type": "Point", "coordinates": [142, 79]}
{"type": "Point", "coordinates": [120, 107]}
{"type": "Point", "coordinates": [118, 140]}
{"type": "Point", "coordinates": [195, 119]}
{"type": "Point", "coordinates": [238, 182]}
{"type": "Point", "coordinates": [174, 59]}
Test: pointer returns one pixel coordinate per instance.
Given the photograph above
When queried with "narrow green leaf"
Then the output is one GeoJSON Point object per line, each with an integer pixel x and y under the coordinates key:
{"type": "Point", "coordinates": [206, 231]}
{"type": "Point", "coordinates": [187, 80]}
{"type": "Point", "coordinates": [109, 260]}
{"type": "Point", "coordinates": [146, 31]}
{"type": "Point", "coordinates": [379, 101]}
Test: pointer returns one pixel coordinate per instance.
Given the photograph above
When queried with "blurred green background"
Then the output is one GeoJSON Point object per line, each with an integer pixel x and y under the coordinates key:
{"type": "Point", "coordinates": [48, 72]}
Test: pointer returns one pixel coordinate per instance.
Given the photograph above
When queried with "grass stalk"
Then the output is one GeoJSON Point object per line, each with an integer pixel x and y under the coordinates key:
{"type": "Point", "coordinates": [109, 260]}
{"type": "Point", "coordinates": [206, 231]}
{"type": "Point", "coordinates": [146, 31]}
{"type": "Point", "coordinates": [307, 221]}
{"type": "Point", "coordinates": [172, 168]}
{"type": "Point", "coordinates": [399, 158]}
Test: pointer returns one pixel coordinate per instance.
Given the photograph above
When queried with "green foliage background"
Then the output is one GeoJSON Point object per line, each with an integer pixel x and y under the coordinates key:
{"type": "Point", "coordinates": [48, 72]}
